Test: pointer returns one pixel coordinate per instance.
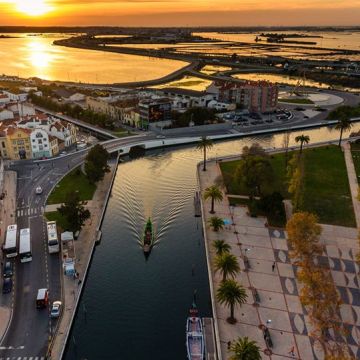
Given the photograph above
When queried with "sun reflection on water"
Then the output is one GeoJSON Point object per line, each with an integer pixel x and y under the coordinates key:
{"type": "Point", "coordinates": [39, 55]}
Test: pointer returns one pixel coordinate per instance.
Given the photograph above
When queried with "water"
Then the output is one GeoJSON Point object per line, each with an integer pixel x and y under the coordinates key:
{"type": "Point", "coordinates": [324, 39]}
{"type": "Point", "coordinates": [35, 56]}
{"type": "Point", "coordinates": [136, 309]}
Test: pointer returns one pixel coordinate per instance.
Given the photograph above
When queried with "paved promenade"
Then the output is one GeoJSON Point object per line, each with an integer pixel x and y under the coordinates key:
{"type": "Point", "coordinates": [272, 274]}
{"type": "Point", "coordinates": [7, 217]}
{"type": "Point", "coordinates": [83, 250]}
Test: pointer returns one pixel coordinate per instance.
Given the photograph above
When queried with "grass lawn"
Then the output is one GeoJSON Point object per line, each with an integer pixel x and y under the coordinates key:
{"type": "Point", "coordinates": [297, 101]}
{"type": "Point", "coordinates": [56, 216]}
{"type": "Point", "coordinates": [75, 180]}
{"type": "Point", "coordinates": [326, 185]}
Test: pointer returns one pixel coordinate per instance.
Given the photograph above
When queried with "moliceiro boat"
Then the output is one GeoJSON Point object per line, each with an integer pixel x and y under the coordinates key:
{"type": "Point", "coordinates": [148, 237]}
{"type": "Point", "coordinates": [194, 335]}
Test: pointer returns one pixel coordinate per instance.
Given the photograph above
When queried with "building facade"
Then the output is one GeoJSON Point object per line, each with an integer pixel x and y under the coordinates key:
{"type": "Point", "coordinates": [154, 111]}
{"type": "Point", "coordinates": [18, 143]}
{"type": "Point", "coordinates": [43, 145]}
{"type": "Point", "coordinates": [256, 96]}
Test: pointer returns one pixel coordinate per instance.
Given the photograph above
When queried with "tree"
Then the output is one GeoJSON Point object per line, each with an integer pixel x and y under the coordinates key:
{"type": "Point", "coordinates": [254, 150]}
{"type": "Point", "coordinates": [221, 247]}
{"type": "Point", "coordinates": [230, 294]}
{"type": "Point", "coordinates": [343, 124]}
{"type": "Point", "coordinates": [213, 193]}
{"type": "Point", "coordinates": [286, 141]}
{"type": "Point", "coordinates": [302, 139]}
{"type": "Point", "coordinates": [254, 172]}
{"type": "Point", "coordinates": [303, 235]}
{"type": "Point", "coordinates": [204, 145]}
{"type": "Point", "coordinates": [227, 264]}
{"type": "Point", "coordinates": [295, 174]}
{"type": "Point", "coordinates": [96, 163]}
{"type": "Point", "coordinates": [216, 223]}
{"type": "Point", "coordinates": [74, 212]}
{"type": "Point", "coordinates": [245, 349]}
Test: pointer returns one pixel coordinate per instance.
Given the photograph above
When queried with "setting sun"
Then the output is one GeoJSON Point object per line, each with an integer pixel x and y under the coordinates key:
{"type": "Point", "coordinates": [32, 7]}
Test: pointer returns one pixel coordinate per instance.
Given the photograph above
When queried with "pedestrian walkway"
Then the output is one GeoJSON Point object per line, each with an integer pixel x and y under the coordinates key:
{"type": "Point", "coordinates": [353, 181]}
{"type": "Point", "coordinates": [273, 309]}
{"type": "Point", "coordinates": [83, 250]}
{"type": "Point", "coordinates": [7, 217]}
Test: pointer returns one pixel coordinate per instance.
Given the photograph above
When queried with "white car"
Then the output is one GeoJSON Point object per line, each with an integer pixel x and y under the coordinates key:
{"type": "Point", "coordinates": [55, 309]}
{"type": "Point", "coordinates": [38, 190]}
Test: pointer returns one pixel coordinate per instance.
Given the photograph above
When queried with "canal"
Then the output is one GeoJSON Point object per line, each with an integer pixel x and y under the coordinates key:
{"type": "Point", "coordinates": [133, 309]}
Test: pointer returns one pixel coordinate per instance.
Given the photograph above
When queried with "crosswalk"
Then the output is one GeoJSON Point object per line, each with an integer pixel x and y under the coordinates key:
{"type": "Point", "coordinates": [29, 211]}
{"type": "Point", "coordinates": [23, 358]}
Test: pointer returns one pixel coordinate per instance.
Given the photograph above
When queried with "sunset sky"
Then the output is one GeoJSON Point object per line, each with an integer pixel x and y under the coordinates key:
{"type": "Point", "coordinates": [179, 12]}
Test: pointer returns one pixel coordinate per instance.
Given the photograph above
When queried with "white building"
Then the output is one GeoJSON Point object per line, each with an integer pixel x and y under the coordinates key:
{"type": "Point", "coordinates": [19, 95]}
{"type": "Point", "coordinates": [6, 114]}
{"type": "Point", "coordinates": [22, 109]}
{"type": "Point", "coordinates": [64, 131]}
{"type": "Point", "coordinates": [4, 99]}
{"type": "Point", "coordinates": [42, 144]}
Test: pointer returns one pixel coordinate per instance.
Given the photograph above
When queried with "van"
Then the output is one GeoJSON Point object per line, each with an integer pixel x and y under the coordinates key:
{"type": "Point", "coordinates": [42, 299]}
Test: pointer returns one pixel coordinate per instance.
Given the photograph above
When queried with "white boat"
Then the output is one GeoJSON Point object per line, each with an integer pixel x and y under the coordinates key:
{"type": "Point", "coordinates": [194, 335]}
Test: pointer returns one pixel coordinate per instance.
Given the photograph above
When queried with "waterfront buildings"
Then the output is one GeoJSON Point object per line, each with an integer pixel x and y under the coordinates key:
{"type": "Point", "coordinates": [255, 96]}
{"type": "Point", "coordinates": [35, 136]}
{"type": "Point", "coordinates": [155, 111]}
{"type": "Point", "coordinates": [43, 144]}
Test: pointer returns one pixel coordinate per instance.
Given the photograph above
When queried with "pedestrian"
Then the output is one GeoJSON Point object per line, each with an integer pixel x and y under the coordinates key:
{"type": "Point", "coordinates": [292, 351]}
{"type": "Point", "coordinates": [228, 345]}
{"type": "Point", "coordinates": [273, 266]}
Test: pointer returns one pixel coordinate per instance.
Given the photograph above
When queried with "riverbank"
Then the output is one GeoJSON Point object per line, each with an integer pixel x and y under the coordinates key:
{"type": "Point", "coordinates": [84, 248]}
{"type": "Point", "coordinates": [273, 306]}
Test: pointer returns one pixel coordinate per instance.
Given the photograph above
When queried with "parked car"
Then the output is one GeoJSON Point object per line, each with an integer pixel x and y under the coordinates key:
{"type": "Point", "coordinates": [55, 309]}
{"type": "Point", "coordinates": [38, 190]}
{"type": "Point", "coordinates": [8, 269]}
{"type": "Point", "coordinates": [7, 285]}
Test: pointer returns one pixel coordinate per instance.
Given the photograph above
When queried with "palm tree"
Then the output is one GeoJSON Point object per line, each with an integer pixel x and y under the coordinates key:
{"type": "Point", "coordinates": [214, 193]}
{"type": "Point", "coordinates": [245, 349]}
{"type": "Point", "coordinates": [221, 247]}
{"type": "Point", "coordinates": [302, 139]}
{"type": "Point", "coordinates": [230, 293]}
{"type": "Point", "coordinates": [216, 223]}
{"type": "Point", "coordinates": [227, 264]}
{"type": "Point", "coordinates": [343, 124]}
{"type": "Point", "coordinates": [203, 145]}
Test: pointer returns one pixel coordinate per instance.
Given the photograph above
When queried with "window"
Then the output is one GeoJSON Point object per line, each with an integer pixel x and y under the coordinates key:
{"type": "Point", "coordinates": [33, 140]}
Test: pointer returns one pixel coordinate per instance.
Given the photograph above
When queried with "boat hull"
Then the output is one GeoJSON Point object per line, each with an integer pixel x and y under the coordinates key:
{"type": "Point", "coordinates": [194, 339]}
